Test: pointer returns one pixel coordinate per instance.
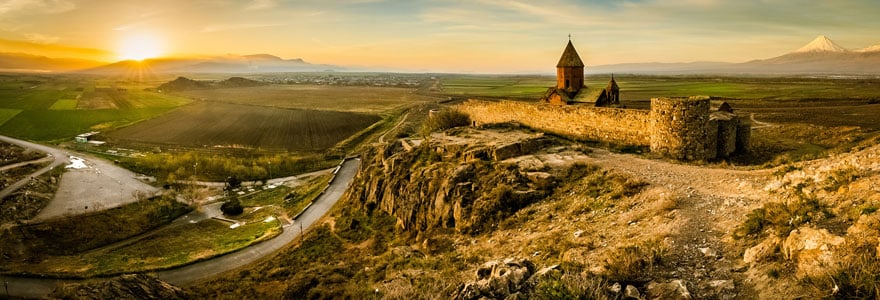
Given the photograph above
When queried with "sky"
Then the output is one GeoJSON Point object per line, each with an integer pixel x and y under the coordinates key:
{"type": "Point", "coordinates": [478, 36]}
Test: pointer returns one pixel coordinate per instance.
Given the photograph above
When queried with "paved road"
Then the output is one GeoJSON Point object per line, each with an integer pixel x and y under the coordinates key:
{"type": "Point", "coordinates": [40, 287]}
{"type": "Point", "coordinates": [60, 157]}
{"type": "Point", "coordinates": [31, 162]}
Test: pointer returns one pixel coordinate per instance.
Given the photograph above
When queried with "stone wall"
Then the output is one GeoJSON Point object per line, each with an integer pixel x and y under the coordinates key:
{"type": "Point", "coordinates": [620, 126]}
{"type": "Point", "coordinates": [680, 128]}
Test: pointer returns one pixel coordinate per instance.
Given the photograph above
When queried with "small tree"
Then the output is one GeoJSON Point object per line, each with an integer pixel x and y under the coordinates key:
{"type": "Point", "coordinates": [232, 182]}
{"type": "Point", "coordinates": [232, 207]}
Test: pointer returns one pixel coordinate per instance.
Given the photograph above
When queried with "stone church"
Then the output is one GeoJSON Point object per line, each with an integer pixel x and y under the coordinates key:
{"type": "Point", "coordinates": [570, 88]}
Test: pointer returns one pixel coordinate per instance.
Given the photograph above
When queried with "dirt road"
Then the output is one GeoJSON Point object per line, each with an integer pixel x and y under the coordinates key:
{"type": "Point", "coordinates": [711, 202]}
{"type": "Point", "coordinates": [40, 287]}
{"type": "Point", "coordinates": [59, 157]}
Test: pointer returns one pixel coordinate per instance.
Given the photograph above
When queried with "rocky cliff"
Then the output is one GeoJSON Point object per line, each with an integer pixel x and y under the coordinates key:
{"type": "Point", "coordinates": [464, 179]}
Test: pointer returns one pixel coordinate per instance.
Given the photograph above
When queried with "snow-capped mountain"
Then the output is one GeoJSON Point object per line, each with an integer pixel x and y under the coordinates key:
{"type": "Point", "coordinates": [821, 44]}
{"type": "Point", "coordinates": [875, 48]}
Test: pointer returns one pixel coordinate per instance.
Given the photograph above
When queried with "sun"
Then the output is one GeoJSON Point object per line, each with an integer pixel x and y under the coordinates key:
{"type": "Point", "coordinates": [139, 47]}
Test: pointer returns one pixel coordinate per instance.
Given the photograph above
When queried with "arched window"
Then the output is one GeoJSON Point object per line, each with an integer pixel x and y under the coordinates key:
{"type": "Point", "coordinates": [566, 83]}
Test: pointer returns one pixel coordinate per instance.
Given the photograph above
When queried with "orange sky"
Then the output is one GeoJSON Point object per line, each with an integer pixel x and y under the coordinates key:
{"type": "Point", "coordinates": [438, 35]}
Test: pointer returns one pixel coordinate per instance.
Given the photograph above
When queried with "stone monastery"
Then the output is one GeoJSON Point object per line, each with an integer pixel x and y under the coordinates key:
{"type": "Point", "coordinates": [679, 128]}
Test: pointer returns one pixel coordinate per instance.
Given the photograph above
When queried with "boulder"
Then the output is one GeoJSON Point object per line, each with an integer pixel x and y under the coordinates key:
{"type": "Point", "coordinates": [762, 251]}
{"type": "Point", "coordinates": [812, 249]}
{"type": "Point", "coordinates": [631, 292]}
{"type": "Point", "coordinates": [671, 290]}
{"type": "Point", "coordinates": [496, 279]}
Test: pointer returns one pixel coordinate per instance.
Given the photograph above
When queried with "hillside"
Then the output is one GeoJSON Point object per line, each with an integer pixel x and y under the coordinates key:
{"type": "Point", "coordinates": [21, 62]}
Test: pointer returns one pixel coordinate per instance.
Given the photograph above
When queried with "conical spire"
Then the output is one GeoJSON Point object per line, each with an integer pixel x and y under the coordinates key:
{"type": "Point", "coordinates": [570, 57]}
{"type": "Point", "coordinates": [612, 85]}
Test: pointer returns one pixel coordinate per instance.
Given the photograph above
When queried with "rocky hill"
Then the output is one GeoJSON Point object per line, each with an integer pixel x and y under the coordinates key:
{"type": "Point", "coordinates": [182, 84]}
{"type": "Point", "coordinates": [472, 213]}
{"type": "Point", "coordinates": [185, 84]}
{"type": "Point", "coordinates": [123, 287]}
{"type": "Point", "coordinates": [455, 181]}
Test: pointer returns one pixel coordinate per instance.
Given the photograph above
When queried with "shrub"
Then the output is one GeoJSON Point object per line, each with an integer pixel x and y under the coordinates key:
{"type": "Point", "coordinates": [232, 207]}
{"type": "Point", "coordinates": [629, 262]}
{"type": "Point", "coordinates": [858, 276]}
{"type": "Point", "coordinates": [446, 119]}
{"type": "Point", "coordinates": [568, 286]}
{"type": "Point", "coordinates": [783, 217]}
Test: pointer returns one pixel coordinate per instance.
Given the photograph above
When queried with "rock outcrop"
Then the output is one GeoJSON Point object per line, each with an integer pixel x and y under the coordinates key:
{"type": "Point", "coordinates": [457, 183]}
{"type": "Point", "coordinates": [812, 249]}
{"type": "Point", "coordinates": [507, 279]}
{"type": "Point", "coordinates": [136, 286]}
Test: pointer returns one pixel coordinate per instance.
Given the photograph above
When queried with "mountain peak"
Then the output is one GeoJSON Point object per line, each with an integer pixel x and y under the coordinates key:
{"type": "Point", "coordinates": [875, 48]}
{"type": "Point", "coordinates": [821, 44]}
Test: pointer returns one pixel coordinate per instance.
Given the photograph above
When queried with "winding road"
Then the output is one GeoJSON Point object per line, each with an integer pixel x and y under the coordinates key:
{"type": "Point", "coordinates": [40, 287]}
{"type": "Point", "coordinates": [59, 158]}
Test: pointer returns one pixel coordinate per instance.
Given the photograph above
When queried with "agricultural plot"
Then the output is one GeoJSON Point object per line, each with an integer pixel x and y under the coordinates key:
{"type": "Point", "coordinates": [360, 99]}
{"type": "Point", "coordinates": [6, 114]}
{"type": "Point", "coordinates": [647, 87]}
{"type": "Point", "coordinates": [64, 104]}
{"type": "Point", "coordinates": [55, 108]}
{"type": "Point", "coordinates": [498, 86]}
{"type": "Point", "coordinates": [206, 124]}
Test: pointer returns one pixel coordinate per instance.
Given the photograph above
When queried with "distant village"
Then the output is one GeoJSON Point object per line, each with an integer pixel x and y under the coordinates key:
{"type": "Point", "coordinates": [349, 79]}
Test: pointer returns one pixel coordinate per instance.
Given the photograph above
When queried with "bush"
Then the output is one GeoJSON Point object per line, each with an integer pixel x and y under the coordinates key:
{"type": "Point", "coordinates": [857, 278]}
{"type": "Point", "coordinates": [783, 217]}
{"type": "Point", "coordinates": [628, 263]}
{"type": "Point", "coordinates": [232, 207]}
{"type": "Point", "coordinates": [446, 119]}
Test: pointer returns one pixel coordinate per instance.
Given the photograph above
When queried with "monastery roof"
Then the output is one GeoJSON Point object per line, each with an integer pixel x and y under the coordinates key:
{"type": "Point", "coordinates": [570, 57]}
{"type": "Point", "coordinates": [612, 85]}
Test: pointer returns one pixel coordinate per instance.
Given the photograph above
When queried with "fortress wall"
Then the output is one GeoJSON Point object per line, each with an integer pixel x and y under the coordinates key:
{"type": "Point", "coordinates": [680, 128]}
{"type": "Point", "coordinates": [621, 126]}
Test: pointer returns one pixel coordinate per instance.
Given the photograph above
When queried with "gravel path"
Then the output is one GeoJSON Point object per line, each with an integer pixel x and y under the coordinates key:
{"type": "Point", "coordinates": [711, 203]}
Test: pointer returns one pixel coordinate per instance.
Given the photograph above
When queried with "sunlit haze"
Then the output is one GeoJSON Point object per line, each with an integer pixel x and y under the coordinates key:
{"type": "Point", "coordinates": [481, 36]}
{"type": "Point", "coordinates": [139, 47]}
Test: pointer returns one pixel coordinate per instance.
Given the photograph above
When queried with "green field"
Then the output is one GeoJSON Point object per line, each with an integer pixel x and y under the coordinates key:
{"type": "Point", "coordinates": [64, 104]}
{"type": "Point", "coordinates": [497, 86]}
{"type": "Point", "coordinates": [647, 87]}
{"type": "Point", "coordinates": [44, 108]}
{"type": "Point", "coordinates": [6, 114]}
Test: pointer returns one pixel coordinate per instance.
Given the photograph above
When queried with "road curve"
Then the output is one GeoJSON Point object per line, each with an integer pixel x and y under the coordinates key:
{"type": "Point", "coordinates": [60, 157]}
{"type": "Point", "coordinates": [40, 287]}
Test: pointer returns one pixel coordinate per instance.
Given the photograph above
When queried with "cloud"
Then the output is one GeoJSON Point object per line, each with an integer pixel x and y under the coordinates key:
{"type": "Point", "coordinates": [36, 6]}
{"type": "Point", "coordinates": [262, 4]}
{"type": "Point", "coordinates": [239, 26]}
{"type": "Point", "coordinates": [41, 38]}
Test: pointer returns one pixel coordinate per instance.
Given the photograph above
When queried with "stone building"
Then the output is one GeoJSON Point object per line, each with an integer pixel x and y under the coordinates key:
{"type": "Point", "coordinates": [570, 70]}
{"type": "Point", "coordinates": [610, 96]}
{"type": "Point", "coordinates": [570, 86]}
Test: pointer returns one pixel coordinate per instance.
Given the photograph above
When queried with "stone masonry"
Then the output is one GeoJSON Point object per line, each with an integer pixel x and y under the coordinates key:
{"type": "Point", "coordinates": [679, 128]}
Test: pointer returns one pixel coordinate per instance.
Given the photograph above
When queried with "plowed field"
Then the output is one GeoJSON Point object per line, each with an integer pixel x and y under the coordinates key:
{"type": "Point", "coordinates": [212, 124]}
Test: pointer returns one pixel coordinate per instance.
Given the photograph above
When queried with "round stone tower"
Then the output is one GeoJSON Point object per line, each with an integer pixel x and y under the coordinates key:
{"type": "Point", "coordinates": [680, 127]}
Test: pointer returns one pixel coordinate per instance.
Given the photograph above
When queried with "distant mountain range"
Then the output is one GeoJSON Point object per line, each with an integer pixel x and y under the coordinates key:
{"type": "Point", "coordinates": [257, 63]}
{"type": "Point", "coordinates": [19, 62]}
{"type": "Point", "coordinates": [821, 56]}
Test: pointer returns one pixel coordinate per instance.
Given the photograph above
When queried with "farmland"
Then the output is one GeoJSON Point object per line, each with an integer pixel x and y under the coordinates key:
{"type": "Point", "coordinates": [246, 126]}
{"type": "Point", "coordinates": [53, 108]}
{"type": "Point", "coordinates": [320, 97]}
{"type": "Point", "coordinates": [645, 87]}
